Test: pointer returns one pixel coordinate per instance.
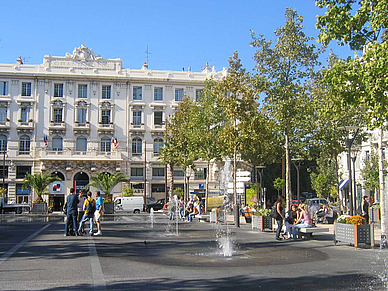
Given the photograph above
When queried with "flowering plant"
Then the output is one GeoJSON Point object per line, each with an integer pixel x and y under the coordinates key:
{"type": "Point", "coordinates": [356, 220]}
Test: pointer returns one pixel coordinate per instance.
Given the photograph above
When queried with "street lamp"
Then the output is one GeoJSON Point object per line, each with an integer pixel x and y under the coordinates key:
{"type": "Point", "coordinates": [349, 142]}
{"type": "Point", "coordinates": [354, 158]}
{"type": "Point", "coordinates": [297, 163]}
{"type": "Point", "coordinates": [188, 176]}
{"type": "Point", "coordinates": [260, 172]}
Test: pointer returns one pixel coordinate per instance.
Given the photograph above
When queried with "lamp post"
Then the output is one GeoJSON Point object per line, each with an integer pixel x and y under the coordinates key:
{"type": "Point", "coordinates": [349, 142]}
{"type": "Point", "coordinates": [260, 196]}
{"type": "Point", "coordinates": [297, 163]}
{"type": "Point", "coordinates": [354, 158]}
{"type": "Point", "coordinates": [145, 176]}
{"type": "Point", "coordinates": [188, 176]}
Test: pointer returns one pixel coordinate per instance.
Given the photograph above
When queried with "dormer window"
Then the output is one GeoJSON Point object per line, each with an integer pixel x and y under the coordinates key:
{"type": "Point", "coordinates": [137, 93]}
{"type": "Point", "coordinates": [106, 92]}
{"type": "Point", "coordinates": [82, 91]}
{"type": "Point", "coordinates": [58, 90]}
{"type": "Point", "coordinates": [26, 89]}
{"type": "Point", "coordinates": [3, 88]}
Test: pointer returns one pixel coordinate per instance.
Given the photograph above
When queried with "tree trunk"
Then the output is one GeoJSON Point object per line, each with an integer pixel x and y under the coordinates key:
{"type": "Point", "coordinates": [235, 208]}
{"type": "Point", "coordinates": [339, 196]}
{"type": "Point", "coordinates": [171, 182]}
{"type": "Point", "coordinates": [288, 175]}
{"type": "Point", "coordinates": [207, 185]}
{"type": "Point", "coordinates": [383, 193]}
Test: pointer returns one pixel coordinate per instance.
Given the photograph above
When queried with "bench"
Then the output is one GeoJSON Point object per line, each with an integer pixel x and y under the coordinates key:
{"type": "Point", "coordinates": [308, 231]}
{"type": "Point", "coordinates": [203, 217]}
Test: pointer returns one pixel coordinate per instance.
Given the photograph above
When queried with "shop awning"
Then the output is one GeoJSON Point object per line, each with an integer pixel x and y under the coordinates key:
{"type": "Point", "coordinates": [343, 184]}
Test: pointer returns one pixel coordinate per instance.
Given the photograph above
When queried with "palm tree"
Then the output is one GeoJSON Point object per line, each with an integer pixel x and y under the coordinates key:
{"type": "Point", "coordinates": [105, 182]}
{"type": "Point", "coordinates": [39, 182]}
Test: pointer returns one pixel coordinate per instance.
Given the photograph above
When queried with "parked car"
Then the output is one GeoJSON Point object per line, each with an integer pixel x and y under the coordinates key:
{"type": "Point", "coordinates": [155, 205]}
{"type": "Point", "coordinates": [130, 204]}
{"type": "Point", "coordinates": [296, 202]}
{"type": "Point", "coordinates": [315, 203]}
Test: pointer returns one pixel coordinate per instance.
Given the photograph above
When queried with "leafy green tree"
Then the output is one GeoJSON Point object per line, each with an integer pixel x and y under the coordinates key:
{"type": "Point", "coordinates": [127, 191]}
{"type": "Point", "coordinates": [352, 22]}
{"type": "Point", "coordinates": [330, 114]}
{"type": "Point", "coordinates": [235, 97]}
{"type": "Point", "coordinates": [323, 182]}
{"type": "Point", "coordinates": [278, 184]}
{"type": "Point", "coordinates": [180, 139]}
{"type": "Point", "coordinates": [370, 172]}
{"type": "Point", "coordinates": [285, 70]}
{"type": "Point", "coordinates": [106, 182]}
{"type": "Point", "coordinates": [39, 182]}
{"type": "Point", "coordinates": [208, 120]}
{"type": "Point", "coordinates": [361, 81]}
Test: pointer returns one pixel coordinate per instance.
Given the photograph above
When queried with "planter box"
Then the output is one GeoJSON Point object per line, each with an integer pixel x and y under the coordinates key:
{"type": "Point", "coordinates": [262, 222]}
{"type": "Point", "coordinates": [39, 208]}
{"type": "Point", "coordinates": [109, 208]}
{"type": "Point", "coordinates": [354, 234]}
{"type": "Point", "coordinates": [374, 215]}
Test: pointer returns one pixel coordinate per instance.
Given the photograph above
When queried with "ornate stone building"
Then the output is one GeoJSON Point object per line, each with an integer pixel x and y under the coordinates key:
{"type": "Point", "coordinates": [81, 114]}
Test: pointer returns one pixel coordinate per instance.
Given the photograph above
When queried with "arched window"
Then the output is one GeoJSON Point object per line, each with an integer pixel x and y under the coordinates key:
{"type": "Point", "coordinates": [137, 145]}
{"type": "Point", "coordinates": [81, 144]}
{"type": "Point", "coordinates": [57, 143]}
{"type": "Point", "coordinates": [24, 145]}
{"type": "Point", "coordinates": [3, 143]}
{"type": "Point", "coordinates": [158, 143]}
{"type": "Point", "coordinates": [105, 144]}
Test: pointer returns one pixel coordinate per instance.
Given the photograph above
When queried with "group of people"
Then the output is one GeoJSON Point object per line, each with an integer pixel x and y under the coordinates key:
{"type": "Point", "coordinates": [187, 209]}
{"type": "Point", "coordinates": [297, 217]}
{"type": "Point", "coordinates": [80, 209]}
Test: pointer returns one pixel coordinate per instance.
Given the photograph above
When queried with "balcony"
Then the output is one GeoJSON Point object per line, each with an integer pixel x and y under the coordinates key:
{"type": "Point", "coordinates": [25, 126]}
{"type": "Point", "coordinates": [70, 154]}
{"type": "Point", "coordinates": [57, 127]}
{"type": "Point", "coordinates": [81, 128]}
{"type": "Point", "coordinates": [106, 128]}
{"type": "Point", "coordinates": [5, 126]}
{"type": "Point", "coordinates": [158, 128]}
{"type": "Point", "coordinates": [137, 127]}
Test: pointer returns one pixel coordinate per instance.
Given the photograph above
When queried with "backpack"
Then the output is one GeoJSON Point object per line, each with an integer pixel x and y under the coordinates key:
{"type": "Point", "coordinates": [90, 208]}
{"type": "Point", "coordinates": [274, 213]}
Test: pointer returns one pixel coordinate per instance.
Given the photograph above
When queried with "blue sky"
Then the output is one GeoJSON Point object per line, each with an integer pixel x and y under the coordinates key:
{"type": "Point", "coordinates": [178, 34]}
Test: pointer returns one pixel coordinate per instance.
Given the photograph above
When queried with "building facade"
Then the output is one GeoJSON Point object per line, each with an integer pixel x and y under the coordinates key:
{"type": "Point", "coordinates": [81, 114]}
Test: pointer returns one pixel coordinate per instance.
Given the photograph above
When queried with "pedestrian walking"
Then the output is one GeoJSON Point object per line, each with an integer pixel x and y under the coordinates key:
{"type": "Point", "coordinates": [280, 216]}
{"type": "Point", "coordinates": [80, 206]}
{"type": "Point", "coordinates": [71, 212]}
{"type": "Point", "coordinates": [90, 208]}
{"type": "Point", "coordinates": [365, 209]}
{"type": "Point", "coordinates": [98, 212]}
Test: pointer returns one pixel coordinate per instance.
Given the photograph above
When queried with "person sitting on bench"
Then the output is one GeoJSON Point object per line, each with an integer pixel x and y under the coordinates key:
{"type": "Point", "coordinates": [304, 221]}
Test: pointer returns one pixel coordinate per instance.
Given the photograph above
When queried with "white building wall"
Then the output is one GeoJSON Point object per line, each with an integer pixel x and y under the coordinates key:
{"type": "Point", "coordinates": [83, 67]}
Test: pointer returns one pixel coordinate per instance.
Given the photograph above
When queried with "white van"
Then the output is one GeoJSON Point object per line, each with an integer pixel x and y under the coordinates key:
{"type": "Point", "coordinates": [129, 204]}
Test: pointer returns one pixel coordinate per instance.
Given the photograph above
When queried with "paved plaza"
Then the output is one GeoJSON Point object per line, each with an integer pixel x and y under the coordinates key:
{"type": "Point", "coordinates": [133, 255]}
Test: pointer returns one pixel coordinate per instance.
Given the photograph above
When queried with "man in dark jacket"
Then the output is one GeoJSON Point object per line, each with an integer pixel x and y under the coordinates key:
{"type": "Point", "coordinates": [72, 202]}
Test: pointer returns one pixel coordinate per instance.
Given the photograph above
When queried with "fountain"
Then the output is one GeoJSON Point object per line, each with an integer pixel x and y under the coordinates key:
{"type": "Point", "coordinates": [223, 235]}
{"type": "Point", "coordinates": [173, 215]}
{"type": "Point", "coordinates": [152, 218]}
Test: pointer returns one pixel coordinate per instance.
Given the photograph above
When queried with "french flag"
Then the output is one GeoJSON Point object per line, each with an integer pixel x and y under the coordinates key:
{"type": "Point", "coordinates": [115, 142]}
{"type": "Point", "coordinates": [45, 140]}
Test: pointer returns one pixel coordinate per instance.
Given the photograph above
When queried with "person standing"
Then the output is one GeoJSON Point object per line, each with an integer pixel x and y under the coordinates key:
{"type": "Point", "coordinates": [80, 207]}
{"type": "Point", "coordinates": [71, 212]}
{"type": "Point", "coordinates": [280, 216]}
{"type": "Point", "coordinates": [90, 208]}
{"type": "Point", "coordinates": [365, 209]}
{"type": "Point", "coordinates": [98, 213]}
